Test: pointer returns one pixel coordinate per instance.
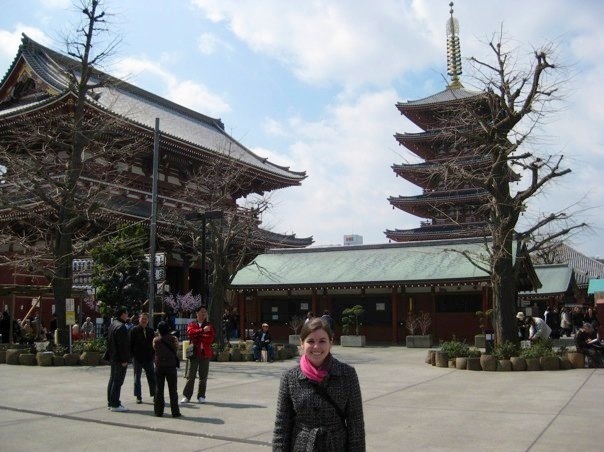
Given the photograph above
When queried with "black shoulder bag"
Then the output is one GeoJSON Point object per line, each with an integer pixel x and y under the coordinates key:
{"type": "Point", "coordinates": [320, 390]}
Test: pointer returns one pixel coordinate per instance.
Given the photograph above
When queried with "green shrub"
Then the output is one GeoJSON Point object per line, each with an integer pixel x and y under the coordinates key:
{"type": "Point", "coordinates": [90, 345]}
{"type": "Point", "coordinates": [505, 350]}
{"type": "Point", "coordinates": [455, 349]}
{"type": "Point", "coordinates": [473, 352]}
{"type": "Point", "coordinates": [539, 349]}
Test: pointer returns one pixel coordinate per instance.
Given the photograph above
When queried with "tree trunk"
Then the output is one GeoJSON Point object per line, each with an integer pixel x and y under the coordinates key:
{"type": "Point", "coordinates": [503, 279]}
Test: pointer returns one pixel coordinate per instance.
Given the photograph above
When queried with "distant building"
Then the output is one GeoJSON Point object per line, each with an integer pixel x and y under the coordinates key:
{"type": "Point", "coordinates": [353, 239]}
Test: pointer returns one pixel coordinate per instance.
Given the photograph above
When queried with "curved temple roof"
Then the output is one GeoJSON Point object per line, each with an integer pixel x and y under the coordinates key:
{"type": "Point", "coordinates": [142, 107]}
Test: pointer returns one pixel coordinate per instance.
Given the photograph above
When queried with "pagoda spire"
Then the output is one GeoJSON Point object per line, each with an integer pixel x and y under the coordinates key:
{"type": "Point", "coordinates": [453, 50]}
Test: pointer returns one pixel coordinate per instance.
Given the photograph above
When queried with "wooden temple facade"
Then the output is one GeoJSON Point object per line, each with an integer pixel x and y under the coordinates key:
{"type": "Point", "coordinates": [37, 91]}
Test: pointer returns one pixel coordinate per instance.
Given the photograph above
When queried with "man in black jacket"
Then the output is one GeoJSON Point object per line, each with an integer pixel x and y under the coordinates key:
{"type": "Point", "coordinates": [262, 339]}
{"type": "Point", "coordinates": [141, 345]}
{"type": "Point", "coordinates": [118, 352]}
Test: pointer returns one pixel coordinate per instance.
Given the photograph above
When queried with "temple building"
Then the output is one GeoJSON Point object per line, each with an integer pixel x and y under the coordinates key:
{"type": "Point", "coordinates": [37, 92]}
{"type": "Point", "coordinates": [449, 211]}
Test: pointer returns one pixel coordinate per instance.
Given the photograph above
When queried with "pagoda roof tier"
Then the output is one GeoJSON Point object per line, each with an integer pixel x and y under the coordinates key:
{"type": "Point", "coordinates": [427, 112]}
{"type": "Point", "coordinates": [430, 205]}
{"type": "Point", "coordinates": [426, 174]}
{"type": "Point", "coordinates": [48, 71]}
{"type": "Point", "coordinates": [436, 232]}
{"type": "Point", "coordinates": [435, 143]}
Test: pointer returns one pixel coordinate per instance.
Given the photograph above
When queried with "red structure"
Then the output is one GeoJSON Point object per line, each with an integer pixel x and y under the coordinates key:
{"type": "Point", "coordinates": [38, 89]}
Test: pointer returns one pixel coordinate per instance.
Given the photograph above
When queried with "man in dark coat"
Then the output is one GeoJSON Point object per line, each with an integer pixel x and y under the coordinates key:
{"type": "Point", "coordinates": [262, 339]}
{"type": "Point", "coordinates": [118, 353]}
{"type": "Point", "coordinates": [141, 345]}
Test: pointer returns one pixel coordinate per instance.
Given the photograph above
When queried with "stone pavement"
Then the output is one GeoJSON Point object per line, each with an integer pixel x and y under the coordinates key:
{"type": "Point", "coordinates": [408, 405]}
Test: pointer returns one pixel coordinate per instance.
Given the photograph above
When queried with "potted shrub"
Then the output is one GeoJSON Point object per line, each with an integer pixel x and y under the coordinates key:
{"type": "Point", "coordinates": [295, 324]}
{"type": "Point", "coordinates": [422, 323]}
{"type": "Point", "coordinates": [474, 359]}
{"type": "Point", "coordinates": [503, 353]}
{"type": "Point", "coordinates": [531, 356]}
{"type": "Point", "coordinates": [458, 352]}
{"type": "Point", "coordinates": [58, 352]}
{"type": "Point", "coordinates": [90, 351]}
{"type": "Point", "coordinates": [484, 318]}
{"type": "Point", "coordinates": [350, 319]}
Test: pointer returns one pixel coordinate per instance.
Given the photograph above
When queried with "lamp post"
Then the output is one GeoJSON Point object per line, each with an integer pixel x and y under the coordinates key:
{"type": "Point", "coordinates": [204, 217]}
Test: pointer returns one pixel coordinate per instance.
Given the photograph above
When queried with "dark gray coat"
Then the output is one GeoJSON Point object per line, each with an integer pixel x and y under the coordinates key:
{"type": "Point", "coordinates": [305, 421]}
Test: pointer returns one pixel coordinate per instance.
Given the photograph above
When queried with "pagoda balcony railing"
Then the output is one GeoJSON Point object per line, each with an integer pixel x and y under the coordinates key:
{"type": "Point", "coordinates": [458, 195]}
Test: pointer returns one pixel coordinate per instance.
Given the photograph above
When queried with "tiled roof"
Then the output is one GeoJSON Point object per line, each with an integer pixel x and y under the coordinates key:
{"type": "Point", "coordinates": [585, 267]}
{"type": "Point", "coordinates": [555, 280]}
{"type": "Point", "coordinates": [426, 262]}
{"type": "Point", "coordinates": [142, 107]}
{"type": "Point", "coordinates": [447, 95]}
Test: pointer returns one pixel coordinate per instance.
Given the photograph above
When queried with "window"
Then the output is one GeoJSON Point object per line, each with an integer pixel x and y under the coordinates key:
{"type": "Point", "coordinates": [471, 302]}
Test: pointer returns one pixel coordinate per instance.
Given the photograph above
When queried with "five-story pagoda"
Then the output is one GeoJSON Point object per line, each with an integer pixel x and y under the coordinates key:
{"type": "Point", "coordinates": [451, 208]}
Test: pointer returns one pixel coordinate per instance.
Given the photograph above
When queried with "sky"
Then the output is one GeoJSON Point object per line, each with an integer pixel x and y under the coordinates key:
{"type": "Point", "coordinates": [313, 85]}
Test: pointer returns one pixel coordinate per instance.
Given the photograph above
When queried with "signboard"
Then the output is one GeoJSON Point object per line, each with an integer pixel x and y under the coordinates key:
{"type": "Point", "coordinates": [69, 311]}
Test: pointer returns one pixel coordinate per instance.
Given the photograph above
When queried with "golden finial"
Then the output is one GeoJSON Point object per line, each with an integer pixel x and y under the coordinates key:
{"type": "Point", "coordinates": [453, 50]}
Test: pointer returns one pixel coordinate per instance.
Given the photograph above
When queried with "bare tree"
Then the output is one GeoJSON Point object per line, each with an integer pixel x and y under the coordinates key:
{"type": "Point", "coordinates": [225, 187]}
{"type": "Point", "coordinates": [491, 151]}
{"type": "Point", "coordinates": [62, 164]}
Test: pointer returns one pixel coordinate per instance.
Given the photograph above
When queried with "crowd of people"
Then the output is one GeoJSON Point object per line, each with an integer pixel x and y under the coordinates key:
{"type": "Point", "coordinates": [582, 323]}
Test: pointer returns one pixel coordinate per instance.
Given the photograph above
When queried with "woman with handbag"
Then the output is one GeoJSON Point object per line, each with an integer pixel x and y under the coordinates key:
{"type": "Point", "coordinates": [319, 406]}
{"type": "Point", "coordinates": [201, 334]}
{"type": "Point", "coordinates": [166, 362]}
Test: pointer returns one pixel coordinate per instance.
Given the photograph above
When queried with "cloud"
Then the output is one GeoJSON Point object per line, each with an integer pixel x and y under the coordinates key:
{"type": "Point", "coordinates": [342, 42]}
{"type": "Point", "coordinates": [348, 153]}
{"type": "Point", "coordinates": [209, 43]}
{"type": "Point", "coordinates": [188, 93]}
{"type": "Point", "coordinates": [10, 40]}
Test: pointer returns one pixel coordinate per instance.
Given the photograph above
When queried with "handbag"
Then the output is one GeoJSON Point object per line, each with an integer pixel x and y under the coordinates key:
{"type": "Point", "coordinates": [191, 352]}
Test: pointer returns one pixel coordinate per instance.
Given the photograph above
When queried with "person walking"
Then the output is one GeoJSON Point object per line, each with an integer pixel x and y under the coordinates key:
{"type": "Point", "coordinates": [141, 346]}
{"type": "Point", "coordinates": [201, 333]}
{"type": "Point", "coordinates": [319, 406]}
{"type": "Point", "coordinates": [166, 363]}
{"type": "Point", "coordinates": [118, 354]}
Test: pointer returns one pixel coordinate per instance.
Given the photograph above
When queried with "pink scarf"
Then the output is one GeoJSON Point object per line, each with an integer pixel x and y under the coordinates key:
{"type": "Point", "coordinates": [311, 372]}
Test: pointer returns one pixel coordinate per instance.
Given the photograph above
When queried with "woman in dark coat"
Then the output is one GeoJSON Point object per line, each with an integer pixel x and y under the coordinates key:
{"type": "Point", "coordinates": [166, 362]}
{"type": "Point", "coordinates": [319, 405]}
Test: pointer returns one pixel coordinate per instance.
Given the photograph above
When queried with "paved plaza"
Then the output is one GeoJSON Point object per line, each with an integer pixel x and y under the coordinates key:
{"type": "Point", "coordinates": [408, 405]}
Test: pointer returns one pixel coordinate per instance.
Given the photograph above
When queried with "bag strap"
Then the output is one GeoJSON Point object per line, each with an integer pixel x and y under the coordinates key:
{"type": "Point", "coordinates": [320, 390]}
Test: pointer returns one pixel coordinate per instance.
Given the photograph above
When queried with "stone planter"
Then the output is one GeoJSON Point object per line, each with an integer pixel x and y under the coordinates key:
{"type": "Point", "coordinates": [577, 360]}
{"type": "Point", "coordinates": [44, 358]}
{"type": "Point", "coordinates": [2, 356]}
{"type": "Point", "coordinates": [294, 339]}
{"type": "Point", "coordinates": [461, 362]}
{"type": "Point", "coordinates": [12, 356]}
{"type": "Point", "coordinates": [452, 363]}
{"type": "Point", "coordinates": [474, 363]}
{"type": "Point", "coordinates": [58, 360]}
{"type": "Point", "coordinates": [235, 354]}
{"type": "Point", "coordinates": [442, 359]}
{"type": "Point", "coordinates": [27, 359]}
{"type": "Point", "coordinates": [352, 341]}
{"type": "Point", "coordinates": [549, 363]}
{"type": "Point", "coordinates": [224, 356]}
{"type": "Point", "coordinates": [533, 364]}
{"type": "Point", "coordinates": [418, 341]}
{"type": "Point", "coordinates": [90, 358]}
{"type": "Point", "coordinates": [518, 363]}
{"type": "Point", "coordinates": [565, 363]}
{"type": "Point", "coordinates": [71, 359]}
{"type": "Point", "coordinates": [488, 363]}
{"type": "Point", "coordinates": [480, 341]}
{"type": "Point", "coordinates": [504, 365]}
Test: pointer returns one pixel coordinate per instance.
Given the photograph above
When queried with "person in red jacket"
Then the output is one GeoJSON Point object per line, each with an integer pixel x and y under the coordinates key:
{"type": "Point", "coordinates": [201, 333]}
